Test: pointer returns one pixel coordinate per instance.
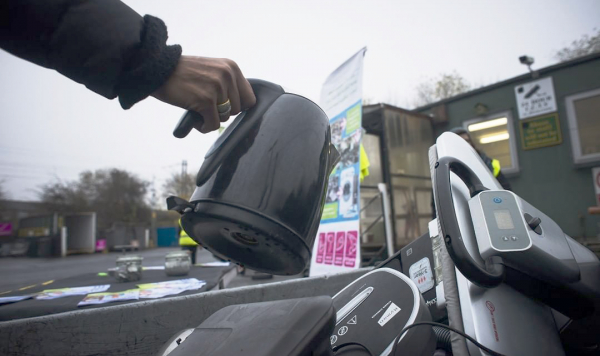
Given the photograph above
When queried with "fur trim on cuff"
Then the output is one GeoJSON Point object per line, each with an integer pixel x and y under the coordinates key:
{"type": "Point", "coordinates": [153, 64]}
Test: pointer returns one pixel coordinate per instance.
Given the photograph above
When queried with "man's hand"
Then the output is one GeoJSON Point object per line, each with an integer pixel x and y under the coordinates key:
{"type": "Point", "coordinates": [200, 84]}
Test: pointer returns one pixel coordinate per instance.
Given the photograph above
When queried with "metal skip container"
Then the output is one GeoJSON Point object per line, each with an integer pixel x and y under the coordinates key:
{"type": "Point", "coordinates": [178, 263]}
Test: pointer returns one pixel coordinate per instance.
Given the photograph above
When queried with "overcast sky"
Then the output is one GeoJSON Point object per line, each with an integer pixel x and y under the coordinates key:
{"type": "Point", "coordinates": [52, 128]}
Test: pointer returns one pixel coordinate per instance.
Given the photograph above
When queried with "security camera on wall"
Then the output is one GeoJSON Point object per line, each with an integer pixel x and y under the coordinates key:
{"type": "Point", "coordinates": [526, 60]}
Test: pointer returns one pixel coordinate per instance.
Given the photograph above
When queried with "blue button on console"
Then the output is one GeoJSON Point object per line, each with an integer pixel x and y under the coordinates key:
{"type": "Point", "coordinates": [497, 200]}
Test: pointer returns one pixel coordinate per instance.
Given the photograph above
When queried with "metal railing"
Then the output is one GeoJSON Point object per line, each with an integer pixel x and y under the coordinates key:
{"type": "Point", "coordinates": [384, 198]}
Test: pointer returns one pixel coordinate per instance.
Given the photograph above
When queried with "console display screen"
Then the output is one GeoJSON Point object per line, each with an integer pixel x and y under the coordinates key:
{"type": "Point", "coordinates": [503, 219]}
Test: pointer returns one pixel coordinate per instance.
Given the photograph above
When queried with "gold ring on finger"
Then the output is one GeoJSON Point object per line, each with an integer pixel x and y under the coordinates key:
{"type": "Point", "coordinates": [225, 114]}
{"type": "Point", "coordinates": [224, 107]}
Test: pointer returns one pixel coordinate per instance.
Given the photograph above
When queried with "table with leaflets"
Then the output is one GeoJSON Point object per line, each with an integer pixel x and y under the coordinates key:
{"type": "Point", "coordinates": [94, 290]}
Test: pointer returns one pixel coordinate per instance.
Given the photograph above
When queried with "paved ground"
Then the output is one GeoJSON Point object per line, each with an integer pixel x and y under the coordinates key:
{"type": "Point", "coordinates": [20, 272]}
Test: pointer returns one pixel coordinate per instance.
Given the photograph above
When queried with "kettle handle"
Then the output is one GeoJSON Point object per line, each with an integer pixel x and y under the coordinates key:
{"type": "Point", "coordinates": [190, 118]}
{"type": "Point", "coordinates": [187, 123]}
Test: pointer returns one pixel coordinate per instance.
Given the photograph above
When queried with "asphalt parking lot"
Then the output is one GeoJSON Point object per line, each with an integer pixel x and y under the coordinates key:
{"type": "Point", "coordinates": [19, 273]}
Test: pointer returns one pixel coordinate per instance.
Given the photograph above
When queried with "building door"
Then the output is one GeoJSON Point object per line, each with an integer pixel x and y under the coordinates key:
{"type": "Point", "coordinates": [373, 244]}
{"type": "Point", "coordinates": [397, 142]}
{"type": "Point", "coordinates": [408, 137]}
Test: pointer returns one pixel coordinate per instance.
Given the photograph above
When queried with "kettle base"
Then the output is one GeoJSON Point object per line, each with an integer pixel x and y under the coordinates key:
{"type": "Point", "coordinates": [246, 237]}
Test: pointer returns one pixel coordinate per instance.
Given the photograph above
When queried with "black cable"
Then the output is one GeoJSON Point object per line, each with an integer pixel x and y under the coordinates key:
{"type": "Point", "coordinates": [491, 352]}
{"type": "Point", "coordinates": [338, 347]}
{"type": "Point", "coordinates": [443, 337]}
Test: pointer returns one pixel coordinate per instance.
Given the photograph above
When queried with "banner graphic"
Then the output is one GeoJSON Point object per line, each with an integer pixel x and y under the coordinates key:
{"type": "Point", "coordinates": [337, 245]}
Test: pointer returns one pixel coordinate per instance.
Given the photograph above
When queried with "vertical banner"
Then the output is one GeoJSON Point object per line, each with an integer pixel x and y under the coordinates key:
{"type": "Point", "coordinates": [337, 245]}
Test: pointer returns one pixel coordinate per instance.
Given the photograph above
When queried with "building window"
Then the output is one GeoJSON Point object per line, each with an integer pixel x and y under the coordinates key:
{"type": "Point", "coordinates": [583, 113]}
{"type": "Point", "coordinates": [494, 135]}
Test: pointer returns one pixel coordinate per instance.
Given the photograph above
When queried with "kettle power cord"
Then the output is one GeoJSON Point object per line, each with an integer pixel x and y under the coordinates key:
{"type": "Point", "coordinates": [486, 349]}
{"type": "Point", "coordinates": [451, 329]}
{"type": "Point", "coordinates": [338, 347]}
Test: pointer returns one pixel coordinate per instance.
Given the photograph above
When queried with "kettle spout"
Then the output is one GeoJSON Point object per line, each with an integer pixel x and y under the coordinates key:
{"type": "Point", "coordinates": [179, 205]}
{"type": "Point", "coordinates": [334, 158]}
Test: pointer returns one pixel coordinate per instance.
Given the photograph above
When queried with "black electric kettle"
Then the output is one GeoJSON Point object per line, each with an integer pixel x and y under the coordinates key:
{"type": "Point", "coordinates": [261, 189]}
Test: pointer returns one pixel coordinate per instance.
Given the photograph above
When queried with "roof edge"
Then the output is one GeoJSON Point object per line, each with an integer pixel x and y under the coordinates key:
{"type": "Point", "coordinates": [542, 71]}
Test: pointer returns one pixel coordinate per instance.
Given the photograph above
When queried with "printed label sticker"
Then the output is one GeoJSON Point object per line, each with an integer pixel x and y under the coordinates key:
{"type": "Point", "coordinates": [420, 272]}
{"type": "Point", "coordinates": [391, 311]}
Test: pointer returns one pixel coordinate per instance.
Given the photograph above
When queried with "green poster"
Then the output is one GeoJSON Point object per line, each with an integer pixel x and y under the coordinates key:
{"type": "Point", "coordinates": [330, 211]}
{"type": "Point", "coordinates": [353, 118]}
{"type": "Point", "coordinates": [541, 131]}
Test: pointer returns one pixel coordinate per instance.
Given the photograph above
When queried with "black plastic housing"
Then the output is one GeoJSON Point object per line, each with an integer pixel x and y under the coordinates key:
{"type": "Point", "coordinates": [260, 191]}
{"type": "Point", "coordinates": [373, 310]}
{"type": "Point", "coordinates": [293, 327]}
{"type": "Point", "coordinates": [488, 276]}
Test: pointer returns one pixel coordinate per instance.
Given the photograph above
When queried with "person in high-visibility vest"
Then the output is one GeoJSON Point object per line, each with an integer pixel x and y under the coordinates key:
{"type": "Point", "coordinates": [364, 163]}
{"type": "Point", "coordinates": [492, 164]}
{"type": "Point", "coordinates": [187, 243]}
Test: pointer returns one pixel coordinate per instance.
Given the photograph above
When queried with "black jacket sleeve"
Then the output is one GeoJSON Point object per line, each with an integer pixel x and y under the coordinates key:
{"type": "Point", "coordinates": [102, 44]}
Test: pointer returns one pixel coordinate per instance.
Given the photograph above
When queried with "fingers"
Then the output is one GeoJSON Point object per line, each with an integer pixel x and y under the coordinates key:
{"type": "Point", "coordinates": [212, 117]}
{"type": "Point", "coordinates": [247, 98]}
{"type": "Point", "coordinates": [234, 98]}
{"type": "Point", "coordinates": [200, 84]}
{"type": "Point", "coordinates": [206, 105]}
{"type": "Point", "coordinates": [212, 121]}
{"type": "Point", "coordinates": [222, 100]}
{"type": "Point", "coordinates": [229, 82]}
{"type": "Point", "coordinates": [233, 91]}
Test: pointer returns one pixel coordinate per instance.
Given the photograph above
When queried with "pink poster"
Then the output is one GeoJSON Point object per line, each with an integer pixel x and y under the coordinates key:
{"type": "Point", "coordinates": [6, 229]}
{"type": "Point", "coordinates": [329, 248]}
{"type": "Point", "coordinates": [340, 242]}
{"type": "Point", "coordinates": [321, 248]}
{"type": "Point", "coordinates": [100, 245]}
{"type": "Point", "coordinates": [351, 241]}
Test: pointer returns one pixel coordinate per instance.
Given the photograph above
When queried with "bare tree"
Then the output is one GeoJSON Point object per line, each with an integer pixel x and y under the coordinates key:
{"type": "Point", "coordinates": [115, 195]}
{"type": "Point", "coordinates": [442, 87]}
{"type": "Point", "coordinates": [581, 47]}
{"type": "Point", "coordinates": [181, 185]}
{"type": "Point", "coordinates": [425, 93]}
